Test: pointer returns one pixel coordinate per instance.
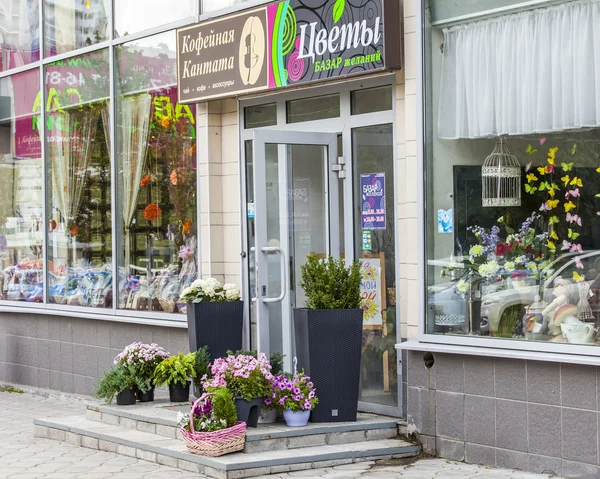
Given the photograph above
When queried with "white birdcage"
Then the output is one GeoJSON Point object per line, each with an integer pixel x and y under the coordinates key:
{"type": "Point", "coordinates": [501, 178]}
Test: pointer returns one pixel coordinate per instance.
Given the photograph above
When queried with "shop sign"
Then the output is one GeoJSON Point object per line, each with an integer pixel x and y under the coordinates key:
{"type": "Point", "coordinates": [286, 43]}
{"type": "Point", "coordinates": [373, 211]}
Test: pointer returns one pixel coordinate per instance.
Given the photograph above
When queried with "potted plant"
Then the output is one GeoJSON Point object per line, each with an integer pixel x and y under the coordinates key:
{"type": "Point", "coordinates": [201, 368]}
{"type": "Point", "coordinates": [215, 316]}
{"type": "Point", "coordinates": [142, 359]}
{"type": "Point", "coordinates": [211, 428]}
{"type": "Point", "coordinates": [268, 414]}
{"type": "Point", "coordinates": [120, 382]}
{"type": "Point", "coordinates": [295, 394]}
{"type": "Point", "coordinates": [176, 372]}
{"type": "Point", "coordinates": [248, 378]}
{"type": "Point", "coordinates": [329, 335]}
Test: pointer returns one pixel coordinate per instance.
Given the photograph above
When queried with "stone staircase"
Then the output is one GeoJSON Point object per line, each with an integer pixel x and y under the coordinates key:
{"type": "Point", "coordinates": [149, 431]}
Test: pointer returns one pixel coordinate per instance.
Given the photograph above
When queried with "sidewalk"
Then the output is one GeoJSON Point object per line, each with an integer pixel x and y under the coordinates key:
{"type": "Point", "coordinates": [22, 456]}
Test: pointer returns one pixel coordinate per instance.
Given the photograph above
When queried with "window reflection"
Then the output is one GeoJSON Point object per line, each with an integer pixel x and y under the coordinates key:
{"type": "Point", "coordinates": [21, 221]}
{"type": "Point", "coordinates": [19, 33]}
{"type": "Point", "coordinates": [156, 153]}
{"type": "Point", "coordinates": [133, 16]}
{"type": "Point", "coordinates": [72, 24]}
{"type": "Point", "coordinates": [78, 163]}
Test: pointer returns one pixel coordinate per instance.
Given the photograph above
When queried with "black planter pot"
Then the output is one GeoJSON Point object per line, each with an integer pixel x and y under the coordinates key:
{"type": "Point", "coordinates": [179, 393]}
{"type": "Point", "coordinates": [216, 325]}
{"type": "Point", "coordinates": [145, 396]}
{"type": "Point", "coordinates": [248, 411]}
{"type": "Point", "coordinates": [198, 390]}
{"type": "Point", "coordinates": [126, 397]}
{"type": "Point", "coordinates": [328, 346]}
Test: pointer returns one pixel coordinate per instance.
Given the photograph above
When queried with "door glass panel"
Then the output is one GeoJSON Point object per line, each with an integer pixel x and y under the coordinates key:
{"type": "Point", "coordinates": [315, 108]}
{"type": "Point", "coordinates": [375, 245]}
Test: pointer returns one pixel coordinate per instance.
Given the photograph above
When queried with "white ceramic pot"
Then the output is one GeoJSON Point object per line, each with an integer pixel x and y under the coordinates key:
{"type": "Point", "coordinates": [296, 418]}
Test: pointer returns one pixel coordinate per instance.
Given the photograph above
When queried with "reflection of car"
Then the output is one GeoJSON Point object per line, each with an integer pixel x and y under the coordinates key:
{"type": "Point", "coordinates": [497, 297]}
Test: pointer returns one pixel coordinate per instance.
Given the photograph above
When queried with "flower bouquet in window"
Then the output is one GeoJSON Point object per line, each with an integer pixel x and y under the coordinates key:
{"type": "Point", "coordinates": [250, 380]}
{"type": "Point", "coordinates": [212, 309]}
{"type": "Point", "coordinates": [211, 428]}
{"type": "Point", "coordinates": [296, 395]}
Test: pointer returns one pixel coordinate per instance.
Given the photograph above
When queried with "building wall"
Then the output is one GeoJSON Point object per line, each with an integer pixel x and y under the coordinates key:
{"type": "Point", "coordinates": [530, 415]}
{"type": "Point", "coordinates": [70, 354]}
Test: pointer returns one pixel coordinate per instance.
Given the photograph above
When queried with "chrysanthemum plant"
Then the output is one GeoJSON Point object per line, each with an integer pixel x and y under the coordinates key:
{"type": "Point", "coordinates": [210, 290]}
{"type": "Point", "coordinates": [142, 360]}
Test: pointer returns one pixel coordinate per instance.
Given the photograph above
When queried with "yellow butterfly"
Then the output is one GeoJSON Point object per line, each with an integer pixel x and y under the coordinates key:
{"type": "Point", "coordinates": [577, 277]}
{"type": "Point", "coordinates": [552, 152]}
{"type": "Point", "coordinates": [569, 206]}
{"type": "Point", "coordinates": [553, 204]}
{"type": "Point", "coordinates": [576, 181]}
{"type": "Point", "coordinates": [531, 177]}
{"type": "Point", "coordinates": [542, 170]}
{"type": "Point", "coordinates": [569, 167]}
{"type": "Point", "coordinates": [551, 192]}
{"type": "Point", "coordinates": [551, 245]}
{"type": "Point", "coordinates": [598, 170]}
{"type": "Point", "coordinates": [553, 235]}
{"type": "Point", "coordinates": [565, 179]}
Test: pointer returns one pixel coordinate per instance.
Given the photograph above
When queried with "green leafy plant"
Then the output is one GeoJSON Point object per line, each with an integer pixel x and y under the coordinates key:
{"type": "Point", "coordinates": [10, 389]}
{"type": "Point", "coordinates": [329, 284]}
{"type": "Point", "coordinates": [175, 370]}
{"type": "Point", "coordinates": [201, 362]}
{"type": "Point", "coordinates": [116, 380]}
{"type": "Point", "coordinates": [224, 406]}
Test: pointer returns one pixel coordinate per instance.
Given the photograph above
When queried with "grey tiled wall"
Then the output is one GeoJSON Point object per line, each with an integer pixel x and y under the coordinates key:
{"type": "Point", "coordinates": [530, 415]}
{"type": "Point", "coordinates": [69, 354]}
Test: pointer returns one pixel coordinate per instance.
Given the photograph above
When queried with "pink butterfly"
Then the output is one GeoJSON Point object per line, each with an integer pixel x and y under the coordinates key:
{"type": "Point", "coordinates": [576, 247]}
{"type": "Point", "coordinates": [578, 262]}
{"type": "Point", "coordinates": [566, 245]}
{"type": "Point", "coordinates": [542, 140]}
{"type": "Point", "coordinates": [528, 167]}
{"type": "Point", "coordinates": [573, 219]}
{"type": "Point", "coordinates": [545, 207]}
{"type": "Point", "coordinates": [574, 193]}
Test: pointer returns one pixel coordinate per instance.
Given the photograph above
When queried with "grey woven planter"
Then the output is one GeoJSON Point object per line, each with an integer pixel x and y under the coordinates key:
{"type": "Point", "coordinates": [328, 347]}
{"type": "Point", "coordinates": [216, 325]}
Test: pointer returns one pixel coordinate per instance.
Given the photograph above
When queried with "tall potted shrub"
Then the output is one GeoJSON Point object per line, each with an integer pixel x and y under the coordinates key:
{"type": "Point", "coordinates": [329, 335]}
{"type": "Point", "coordinates": [215, 316]}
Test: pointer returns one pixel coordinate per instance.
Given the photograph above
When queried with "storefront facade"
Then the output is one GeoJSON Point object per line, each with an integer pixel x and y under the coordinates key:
{"type": "Point", "coordinates": [120, 188]}
{"type": "Point", "coordinates": [501, 350]}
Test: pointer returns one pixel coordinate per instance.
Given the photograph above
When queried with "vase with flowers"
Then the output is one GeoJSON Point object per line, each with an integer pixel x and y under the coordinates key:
{"type": "Point", "coordinates": [215, 316]}
{"type": "Point", "coordinates": [249, 378]}
{"type": "Point", "coordinates": [296, 395]}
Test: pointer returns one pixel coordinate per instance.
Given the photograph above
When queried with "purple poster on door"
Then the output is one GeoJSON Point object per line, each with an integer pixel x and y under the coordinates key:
{"type": "Point", "coordinates": [372, 187]}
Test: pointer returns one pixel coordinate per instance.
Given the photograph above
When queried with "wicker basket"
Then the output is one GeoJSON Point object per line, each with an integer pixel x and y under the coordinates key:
{"type": "Point", "coordinates": [216, 443]}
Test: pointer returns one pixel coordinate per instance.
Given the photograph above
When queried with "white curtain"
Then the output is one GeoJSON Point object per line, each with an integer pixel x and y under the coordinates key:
{"type": "Point", "coordinates": [71, 157]}
{"type": "Point", "coordinates": [135, 126]}
{"type": "Point", "coordinates": [531, 72]}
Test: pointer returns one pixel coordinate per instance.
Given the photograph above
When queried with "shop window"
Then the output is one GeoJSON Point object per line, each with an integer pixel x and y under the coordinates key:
{"type": "Point", "coordinates": [19, 33]}
{"type": "Point", "coordinates": [513, 242]}
{"type": "Point", "coordinates": [78, 181]}
{"type": "Point", "coordinates": [375, 243]}
{"type": "Point", "coordinates": [212, 5]}
{"type": "Point", "coordinates": [260, 115]}
{"type": "Point", "coordinates": [72, 24]}
{"type": "Point", "coordinates": [133, 16]}
{"type": "Point", "coordinates": [21, 200]}
{"type": "Point", "coordinates": [156, 165]}
{"type": "Point", "coordinates": [315, 108]}
{"type": "Point", "coordinates": [371, 100]}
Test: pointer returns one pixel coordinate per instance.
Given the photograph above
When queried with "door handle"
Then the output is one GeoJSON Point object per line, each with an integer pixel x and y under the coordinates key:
{"type": "Point", "coordinates": [267, 250]}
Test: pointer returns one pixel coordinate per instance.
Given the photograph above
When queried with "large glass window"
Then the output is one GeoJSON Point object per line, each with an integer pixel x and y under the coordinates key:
{"type": "Point", "coordinates": [19, 33]}
{"type": "Point", "coordinates": [156, 161]}
{"type": "Point", "coordinates": [21, 220]}
{"type": "Point", "coordinates": [78, 181]}
{"type": "Point", "coordinates": [72, 24]}
{"type": "Point", "coordinates": [512, 154]}
{"type": "Point", "coordinates": [132, 16]}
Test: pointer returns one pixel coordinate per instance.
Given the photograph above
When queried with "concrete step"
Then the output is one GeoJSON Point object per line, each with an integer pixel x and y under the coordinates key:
{"type": "Point", "coordinates": [161, 418]}
{"type": "Point", "coordinates": [172, 452]}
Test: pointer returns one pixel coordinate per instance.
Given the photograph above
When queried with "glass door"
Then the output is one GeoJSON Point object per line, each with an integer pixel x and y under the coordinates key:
{"type": "Point", "coordinates": [296, 202]}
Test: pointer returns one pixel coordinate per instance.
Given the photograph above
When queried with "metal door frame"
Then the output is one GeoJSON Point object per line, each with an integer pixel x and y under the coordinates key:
{"type": "Point", "coordinates": [284, 138]}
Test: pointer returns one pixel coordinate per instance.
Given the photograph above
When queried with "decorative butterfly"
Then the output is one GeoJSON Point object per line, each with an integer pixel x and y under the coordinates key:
{"type": "Point", "coordinates": [531, 177]}
{"type": "Point", "coordinates": [549, 168]}
{"type": "Point", "coordinates": [577, 277]}
{"type": "Point", "coordinates": [531, 150]}
{"type": "Point", "coordinates": [551, 245]}
{"type": "Point", "coordinates": [578, 262]}
{"type": "Point", "coordinates": [575, 193]}
{"type": "Point", "coordinates": [530, 189]}
{"type": "Point", "coordinates": [528, 167]}
{"type": "Point", "coordinates": [553, 235]}
{"type": "Point", "coordinates": [566, 245]}
{"type": "Point", "coordinates": [545, 207]}
{"type": "Point", "coordinates": [553, 203]}
{"type": "Point", "coordinates": [576, 248]}
{"type": "Point", "coordinates": [598, 170]}
{"type": "Point", "coordinates": [576, 181]}
{"type": "Point", "coordinates": [566, 166]}
{"type": "Point", "coordinates": [553, 220]}
{"type": "Point", "coordinates": [569, 206]}
{"type": "Point", "coordinates": [573, 219]}
{"type": "Point", "coordinates": [574, 149]}
{"type": "Point", "coordinates": [542, 170]}
{"type": "Point", "coordinates": [565, 179]}
{"type": "Point", "coordinates": [542, 140]}
{"type": "Point", "coordinates": [573, 235]}
{"type": "Point", "coordinates": [544, 185]}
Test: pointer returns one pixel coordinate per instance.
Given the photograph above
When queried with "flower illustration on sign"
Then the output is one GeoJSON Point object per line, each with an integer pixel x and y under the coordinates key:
{"type": "Point", "coordinates": [369, 308]}
{"type": "Point", "coordinates": [338, 10]}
